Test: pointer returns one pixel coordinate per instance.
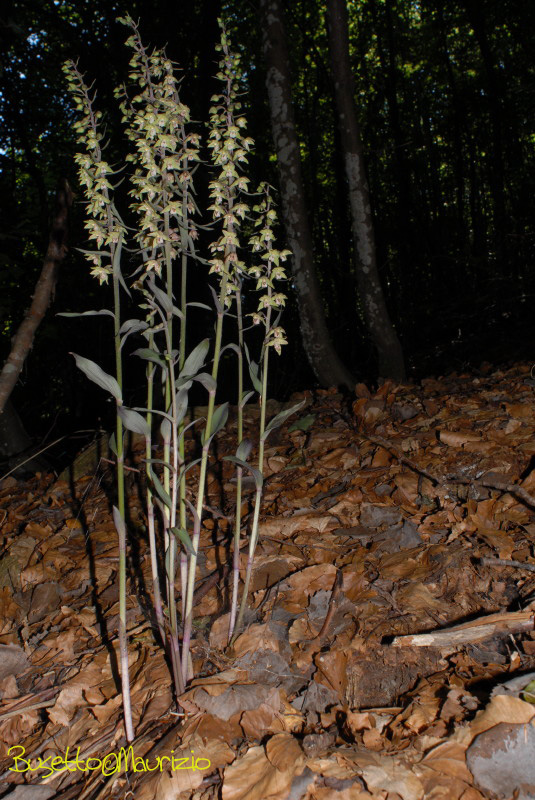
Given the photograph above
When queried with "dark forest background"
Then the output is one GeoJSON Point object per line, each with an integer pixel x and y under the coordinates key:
{"type": "Point", "coordinates": [445, 96]}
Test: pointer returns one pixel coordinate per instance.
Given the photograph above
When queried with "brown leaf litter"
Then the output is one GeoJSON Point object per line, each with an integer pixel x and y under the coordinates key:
{"type": "Point", "coordinates": [390, 629]}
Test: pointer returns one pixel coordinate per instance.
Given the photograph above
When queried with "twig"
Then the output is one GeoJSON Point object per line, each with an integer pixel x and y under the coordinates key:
{"type": "Point", "coordinates": [511, 488]}
{"type": "Point", "coordinates": [337, 590]}
{"type": "Point", "coordinates": [505, 562]}
{"type": "Point", "coordinates": [33, 707]}
{"type": "Point", "coordinates": [30, 458]}
{"type": "Point", "coordinates": [400, 457]}
{"type": "Point", "coordinates": [477, 630]}
{"type": "Point", "coordinates": [380, 442]}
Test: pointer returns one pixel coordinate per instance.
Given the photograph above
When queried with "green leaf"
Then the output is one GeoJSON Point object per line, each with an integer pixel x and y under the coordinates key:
{"type": "Point", "coordinates": [199, 305]}
{"type": "Point", "coordinates": [255, 380]}
{"type": "Point", "coordinates": [279, 419]}
{"type": "Point", "coordinates": [186, 428]}
{"type": "Point", "coordinates": [156, 482]}
{"type": "Point", "coordinates": [150, 355]}
{"type": "Point", "coordinates": [113, 444]}
{"type": "Point", "coordinates": [231, 346]}
{"type": "Point", "coordinates": [246, 396]}
{"type": "Point", "coordinates": [184, 383]}
{"type": "Point", "coordinates": [302, 424]}
{"type": "Point", "coordinates": [218, 306]}
{"type": "Point", "coordinates": [98, 376]}
{"type": "Point", "coordinates": [165, 430]}
{"type": "Point", "coordinates": [244, 449]}
{"type": "Point", "coordinates": [164, 300]}
{"type": "Point", "coordinates": [258, 477]}
{"type": "Point", "coordinates": [158, 461]}
{"type": "Point", "coordinates": [196, 359]}
{"type": "Point", "coordinates": [184, 537]}
{"type": "Point", "coordinates": [181, 403]}
{"type": "Point", "coordinates": [182, 471]}
{"type": "Point", "coordinates": [132, 326]}
{"type": "Point", "coordinates": [117, 256]}
{"type": "Point", "coordinates": [207, 381]}
{"type": "Point", "coordinates": [219, 419]}
{"type": "Point", "coordinates": [133, 421]}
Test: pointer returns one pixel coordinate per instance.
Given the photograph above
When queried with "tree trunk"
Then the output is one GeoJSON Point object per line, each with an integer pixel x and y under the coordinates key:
{"type": "Point", "coordinates": [327, 366]}
{"type": "Point", "coordinates": [14, 441]}
{"type": "Point", "coordinates": [44, 288]}
{"type": "Point", "coordinates": [497, 112]}
{"type": "Point", "coordinates": [390, 355]}
{"type": "Point", "coordinates": [387, 49]}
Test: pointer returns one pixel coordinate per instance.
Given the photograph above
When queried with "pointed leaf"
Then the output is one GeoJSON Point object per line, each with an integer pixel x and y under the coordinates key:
{"type": "Point", "coordinates": [181, 403]}
{"type": "Point", "coordinates": [258, 477]}
{"type": "Point", "coordinates": [98, 376]}
{"type": "Point", "coordinates": [280, 418]}
{"type": "Point", "coordinates": [116, 265]}
{"type": "Point", "coordinates": [207, 381]}
{"type": "Point", "coordinates": [219, 419]}
{"type": "Point", "coordinates": [165, 430]}
{"type": "Point", "coordinates": [196, 359]}
{"type": "Point", "coordinates": [184, 537]}
{"type": "Point", "coordinates": [219, 307]}
{"type": "Point", "coordinates": [244, 449]}
{"type": "Point", "coordinates": [157, 411]}
{"type": "Point", "coordinates": [302, 424]}
{"type": "Point", "coordinates": [158, 461]}
{"type": "Point", "coordinates": [170, 577]}
{"type": "Point", "coordinates": [246, 396]}
{"type": "Point", "coordinates": [132, 326]}
{"type": "Point", "coordinates": [231, 346]}
{"type": "Point", "coordinates": [160, 490]}
{"type": "Point", "coordinates": [164, 300]}
{"type": "Point", "coordinates": [182, 471]}
{"type": "Point", "coordinates": [255, 380]}
{"type": "Point", "coordinates": [187, 427]}
{"type": "Point", "coordinates": [150, 355]}
{"type": "Point", "coordinates": [133, 421]}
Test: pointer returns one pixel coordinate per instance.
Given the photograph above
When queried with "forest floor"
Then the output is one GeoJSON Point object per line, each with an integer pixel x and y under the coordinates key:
{"type": "Point", "coordinates": [389, 650]}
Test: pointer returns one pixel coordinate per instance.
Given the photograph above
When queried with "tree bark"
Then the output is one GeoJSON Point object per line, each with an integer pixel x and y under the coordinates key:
{"type": "Point", "coordinates": [390, 355]}
{"type": "Point", "coordinates": [43, 291]}
{"type": "Point", "coordinates": [325, 362]}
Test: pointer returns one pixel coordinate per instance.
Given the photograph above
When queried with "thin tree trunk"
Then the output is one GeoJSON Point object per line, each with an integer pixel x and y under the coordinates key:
{"type": "Point", "coordinates": [43, 291]}
{"type": "Point", "coordinates": [388, 52]}
{"type": "Point", "coordinates": [390, 355]}
{"type": "Point", "coordinates": [327, 366]}
{"type": "Point", "coordinates": [497, 112]}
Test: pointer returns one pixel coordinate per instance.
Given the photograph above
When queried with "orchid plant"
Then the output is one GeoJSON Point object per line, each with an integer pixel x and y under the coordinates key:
{"type": "Point", "coordinates": [165, 152]}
